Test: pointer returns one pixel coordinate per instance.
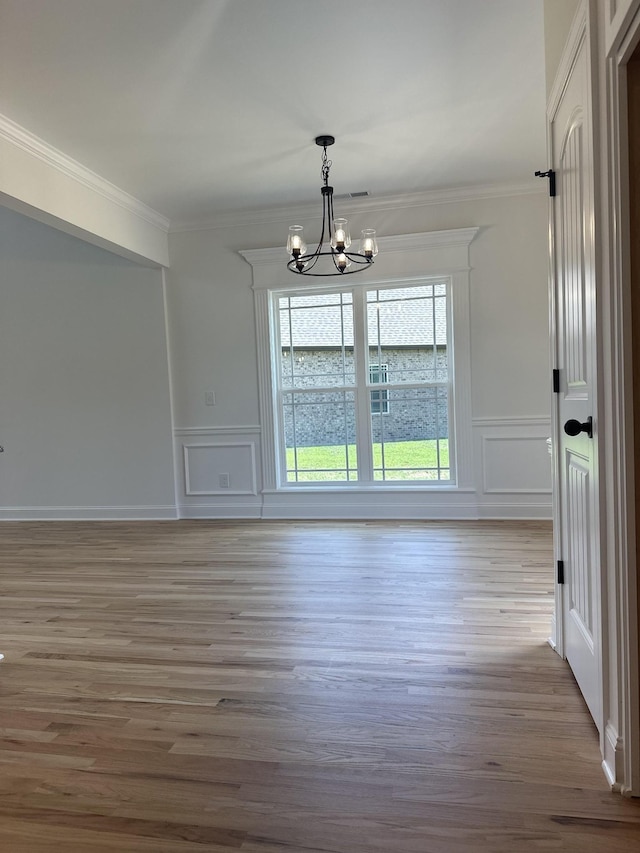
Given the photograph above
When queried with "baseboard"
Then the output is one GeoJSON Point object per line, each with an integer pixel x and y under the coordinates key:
{"type": "Point", "coordinates": [540, 510]}
{"type": "Point", "coordinates": [613, 759]}
{"type": "Point", "coordinates": [88, 513]}
{"type": "Point", "coordinates": [244, 510]}
{"type": "Point", "coordinates": [446, 506]}
{"type": "Point", "coordinates": [286, 509]}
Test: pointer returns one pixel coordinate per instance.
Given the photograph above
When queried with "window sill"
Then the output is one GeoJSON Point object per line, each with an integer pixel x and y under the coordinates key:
{"type": "Point", "coordinates": [369, 487]}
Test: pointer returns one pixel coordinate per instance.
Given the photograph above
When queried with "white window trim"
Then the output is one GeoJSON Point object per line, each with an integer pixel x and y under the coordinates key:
{"type": "Point", "coordinates": [410, 259]}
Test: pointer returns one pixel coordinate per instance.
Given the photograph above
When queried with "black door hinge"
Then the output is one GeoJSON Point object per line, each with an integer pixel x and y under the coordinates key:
{"type": "Point", "coordinates": [556, 380]}
{"type": "Point", "coordinates": [560, 571]}
{"type": "Point", "coordinates": [552, 180]}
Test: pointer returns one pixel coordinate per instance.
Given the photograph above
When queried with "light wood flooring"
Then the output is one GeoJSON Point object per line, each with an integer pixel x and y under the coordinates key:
{"type": "Point", "coordinates": [179, 687]}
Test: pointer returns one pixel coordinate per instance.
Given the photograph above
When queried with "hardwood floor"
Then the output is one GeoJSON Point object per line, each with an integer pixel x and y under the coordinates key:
{"type": "Point", "coordinates": [177, 687]}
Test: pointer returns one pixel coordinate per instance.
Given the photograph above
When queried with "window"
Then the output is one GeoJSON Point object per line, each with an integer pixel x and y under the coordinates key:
{"type": "Point", "coordinates": [379, 399]}
{"type": "Point", "coordinates": [362, 384]}
{"type": "Point", "coordinates": [350, 481]}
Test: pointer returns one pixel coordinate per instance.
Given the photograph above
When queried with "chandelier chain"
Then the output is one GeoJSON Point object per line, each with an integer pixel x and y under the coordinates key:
{"type": "Point", "coordinates": [326, 165]}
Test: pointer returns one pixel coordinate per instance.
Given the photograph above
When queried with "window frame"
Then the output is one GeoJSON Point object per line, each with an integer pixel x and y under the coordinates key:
{"type": "Point", "coordinates": [361, 387]}
{"type": "Point", "coordinates": [403, 259]}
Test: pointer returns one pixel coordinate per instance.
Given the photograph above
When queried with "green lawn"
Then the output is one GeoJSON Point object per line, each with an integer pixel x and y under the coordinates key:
{"type": "Point", "coordinates": [329, 462]}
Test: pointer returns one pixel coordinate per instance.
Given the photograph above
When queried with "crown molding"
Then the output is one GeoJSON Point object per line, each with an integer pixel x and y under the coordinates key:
{"type": "Point", "coordinates": [236, 219]}
{"type": "Point", "coordinates": [19, 137]}
{"type": "Point", "coordinates": [452, 238]}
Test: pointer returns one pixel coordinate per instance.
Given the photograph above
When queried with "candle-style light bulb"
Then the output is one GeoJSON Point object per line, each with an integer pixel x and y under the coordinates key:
{"type": "Point", "coordinates": [342, 262]}
{"type": "Point", "coordinates": [368, 243]}
{"type": "Point", "coordinates": [341, 237]}
{"type": "Point", "coordinates": [295, 241]}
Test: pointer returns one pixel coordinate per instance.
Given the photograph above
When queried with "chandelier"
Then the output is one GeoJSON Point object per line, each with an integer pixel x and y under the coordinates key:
{"type": "Point", "coordinates": [336, 259]}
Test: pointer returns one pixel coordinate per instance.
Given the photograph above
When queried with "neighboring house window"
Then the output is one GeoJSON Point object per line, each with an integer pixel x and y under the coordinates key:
{"type": "Point", "coordinates": [378, 373]}
{"type": "Point", "coordinates": [333, 350]}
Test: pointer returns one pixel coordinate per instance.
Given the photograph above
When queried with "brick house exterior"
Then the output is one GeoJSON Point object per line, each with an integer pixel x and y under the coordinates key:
{"type": "Point", "coordinates": [408, 347]}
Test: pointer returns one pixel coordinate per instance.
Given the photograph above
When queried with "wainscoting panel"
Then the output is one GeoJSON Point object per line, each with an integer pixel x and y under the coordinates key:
{"type": "Point", "coordinates": [512, 479]}
{"type": "Point", "coordinates": [513, 467]}
{"type": "Point", "coordinates": [218, 472]}
{"type": "Point", "coordinates": [208, 468]}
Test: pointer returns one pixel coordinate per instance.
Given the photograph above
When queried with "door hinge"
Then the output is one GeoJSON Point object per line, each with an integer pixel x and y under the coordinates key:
{"type": "Point", "coordinates": [560, 571]}
{"type": "Point", "coordinates": [552, 180]}
{"type": "Point", "coordinates": [556, 380]}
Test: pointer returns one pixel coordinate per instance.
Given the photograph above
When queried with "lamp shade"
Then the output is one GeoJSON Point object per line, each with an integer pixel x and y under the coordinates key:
{"type": "Point", "coordinates": [368, 243]}
{"type": "Point", "coordinates": [341, 239]}
{"type": "Point", "coordinates": [295, 241]}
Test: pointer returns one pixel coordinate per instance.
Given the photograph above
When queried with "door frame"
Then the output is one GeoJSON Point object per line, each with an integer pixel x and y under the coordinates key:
{"type": "Point", "coordinates": [612, 29]}
{"type": "Point", "coordinates": [612, 32]}
{"type": "Point", "coordinates": [620, 33]}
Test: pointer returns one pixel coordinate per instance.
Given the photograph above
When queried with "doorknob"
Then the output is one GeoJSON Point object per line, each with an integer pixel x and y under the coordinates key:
{"type": "Point", "coordinates": [574, 427]}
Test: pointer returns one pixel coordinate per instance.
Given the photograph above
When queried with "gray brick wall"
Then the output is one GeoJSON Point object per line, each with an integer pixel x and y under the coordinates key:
{"type": "Point", "coordinates": [324, 419]}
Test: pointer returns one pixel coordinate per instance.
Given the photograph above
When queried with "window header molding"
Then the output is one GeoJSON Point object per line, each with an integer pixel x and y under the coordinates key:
{"type": "Point", "coordinates": [401, 256]}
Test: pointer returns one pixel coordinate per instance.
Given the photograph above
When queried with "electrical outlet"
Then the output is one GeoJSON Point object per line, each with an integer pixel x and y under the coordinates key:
{"type": "Point", "coordinates": [223, 481]}
{"type": "Point", "coordinates": [209, 398]}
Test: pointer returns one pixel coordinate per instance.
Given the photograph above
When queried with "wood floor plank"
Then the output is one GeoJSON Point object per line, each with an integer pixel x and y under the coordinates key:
{"type": "Point", "coordinates": [304, 687]}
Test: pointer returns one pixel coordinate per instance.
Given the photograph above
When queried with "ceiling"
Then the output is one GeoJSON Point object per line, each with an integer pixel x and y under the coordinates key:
{"type": "Point", "coordinates": [198, 107]}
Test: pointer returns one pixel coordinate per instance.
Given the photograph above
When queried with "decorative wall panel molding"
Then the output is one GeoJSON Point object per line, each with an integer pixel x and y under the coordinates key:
{"type": "Point", "coordinates": [217, 430]}
{"type": "Point", "coordinates": [207, 465]}
{"type": "Point", "coordinates": [513, 467]}
{"type": "Point", "coordinates": [511, 479]}
{"type": "Point", "coordinates": [518, 422]}
{"type": "Point", "coordinates": [204, 455]}
{"type": "Point", "coordinates": [515, 464]}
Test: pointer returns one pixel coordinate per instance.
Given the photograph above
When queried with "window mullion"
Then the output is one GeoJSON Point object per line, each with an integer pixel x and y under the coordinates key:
{"type": "Point", "coordinates": [363, 396]}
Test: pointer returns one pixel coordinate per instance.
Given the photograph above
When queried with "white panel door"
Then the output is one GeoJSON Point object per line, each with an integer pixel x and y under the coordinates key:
{"type": "Point", "coordinates": [575, 295]}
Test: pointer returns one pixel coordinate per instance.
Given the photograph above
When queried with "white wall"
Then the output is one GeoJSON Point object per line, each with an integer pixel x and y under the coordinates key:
{"type": "Point", "coordinates": [85, 416]}
{"type": "Point", "coordinates": [213, 347]}
{"type": "Point", "coordinates": [85, 413]}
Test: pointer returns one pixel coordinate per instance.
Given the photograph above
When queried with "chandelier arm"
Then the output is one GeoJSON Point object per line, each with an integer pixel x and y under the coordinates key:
{"type": "Point", "coordinates": [331, 217]}
{"type": "Point", "coordinates": [360, 265]}
{"type": "Point", "coordinates": [334, 252]}
{"type": "Point", "coordinates": [313, 260]}
{"type": "Point", "coordinates": [326, 201]}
